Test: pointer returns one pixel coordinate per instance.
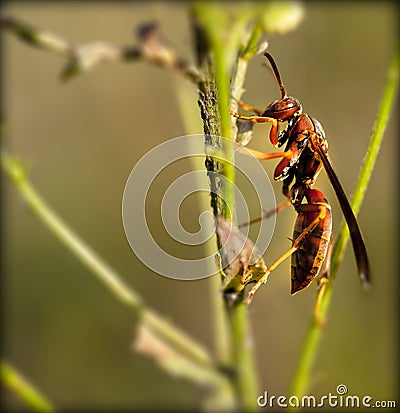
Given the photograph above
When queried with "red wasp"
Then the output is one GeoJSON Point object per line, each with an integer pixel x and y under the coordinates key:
{"type": "Point", "coordinates": [305, 153]}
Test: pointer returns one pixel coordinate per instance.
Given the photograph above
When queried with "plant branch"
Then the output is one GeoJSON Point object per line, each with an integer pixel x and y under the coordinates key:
{"type": "Point", "coordinates": [242, 342]}
{"type": "Point", "coordinates": [313, 336]}
{"type": "Point", "coordinates": [214, 51]}
{"type": "Point", "coordinates": [192, 124]}
{"type": "Point", "coordinates": [151, 47]}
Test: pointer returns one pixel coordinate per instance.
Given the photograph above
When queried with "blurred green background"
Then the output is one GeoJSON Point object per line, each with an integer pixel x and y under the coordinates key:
{"type": "Point", "coordinates": [81, 139]}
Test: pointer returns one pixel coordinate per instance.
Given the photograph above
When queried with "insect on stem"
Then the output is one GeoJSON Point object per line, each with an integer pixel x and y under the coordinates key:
{"type": "Point", "coordinates": [305, 154]}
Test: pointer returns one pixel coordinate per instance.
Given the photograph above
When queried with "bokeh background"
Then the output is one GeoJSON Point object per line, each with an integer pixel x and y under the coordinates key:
{"type": "Point", "coordinates": [81, 139]}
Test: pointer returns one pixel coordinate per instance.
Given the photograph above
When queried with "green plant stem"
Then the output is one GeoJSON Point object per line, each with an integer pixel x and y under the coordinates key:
{"type": "Point", "coordinates": [243, 358]}
{"type": "Point", "coordinates": [221, 47]}
{"type": "Point", "coordinates": [240, 71]}
{"type": "Point", "coordinates": [192, 125]}
{"type": "Point", "coordinates": [171, 334]}
{"type": "Point", "coordinates": [313, 336]}
{"type": "Point", "coordinates": [242, 344]}
{"type": "Point", "coordinates": [12, 379]}
{"type": "Point", "coordinates": [222, 84]}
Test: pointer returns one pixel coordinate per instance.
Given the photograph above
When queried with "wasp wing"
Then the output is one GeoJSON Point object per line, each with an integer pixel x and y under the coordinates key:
{"type": "Point", "coordinates": [360, 251]}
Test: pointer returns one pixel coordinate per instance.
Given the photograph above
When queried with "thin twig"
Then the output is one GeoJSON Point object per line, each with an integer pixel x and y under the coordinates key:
{"type": "Point", "coordinates": [151, 47]}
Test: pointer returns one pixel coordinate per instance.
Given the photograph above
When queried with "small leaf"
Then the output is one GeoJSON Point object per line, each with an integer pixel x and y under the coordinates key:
{"type": "Point", "coordinates": [245, 132]}
{"type": "Point", "coordinates": [241, 262]}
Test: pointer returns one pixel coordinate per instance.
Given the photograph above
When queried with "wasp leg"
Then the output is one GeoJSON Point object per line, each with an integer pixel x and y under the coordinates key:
{"type": "Point", "coordinates": [249, 108]}
{"type": "Point", "coordinates": [273, 134]}
{"type": "Point", "coordinates": [266, 214]}
{"type": "Point", "coordinates": [263, 156]}
{"type": "Point", "coordinates": [317, 207]}
{"type": "Point", "coordinates": [255, 119]}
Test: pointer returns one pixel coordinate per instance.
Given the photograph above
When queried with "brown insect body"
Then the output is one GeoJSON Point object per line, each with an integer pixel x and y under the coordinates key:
{"type": "Point", "coordinates": [305, 154]}
{"type": "Point", "coordinates": [296, 135]}
{"type": "Point", "coordinates": [313, 226]}
{"type": "Point", "coordinates": [310, 255]}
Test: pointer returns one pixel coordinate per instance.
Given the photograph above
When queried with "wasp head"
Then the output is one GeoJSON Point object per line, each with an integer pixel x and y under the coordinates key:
{"type": "Point", "coordinates": [283, 109]}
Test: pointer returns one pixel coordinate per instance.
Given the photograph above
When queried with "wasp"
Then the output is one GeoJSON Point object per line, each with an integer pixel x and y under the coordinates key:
{"type": "Point", "coordinates": [304, 155]}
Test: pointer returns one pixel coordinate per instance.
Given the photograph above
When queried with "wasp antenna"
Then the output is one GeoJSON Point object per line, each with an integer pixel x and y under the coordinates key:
{"type": "Point", "coordinates": [276, 73]}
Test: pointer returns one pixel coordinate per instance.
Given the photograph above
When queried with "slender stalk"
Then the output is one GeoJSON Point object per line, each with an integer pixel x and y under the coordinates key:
{"type": "Point", "coordinates": [192, 125]}
{"type": "Point", "coordinates": [222, 83]}
{"type": "Point", "coordinates": [14, 380]}
{"type": "Point", "coordinates": [242, 343]}
{"type": "Point", "coordinates": [218, 65]}
{"type": "Point", "coordinates": [243, 358]}
{"type": "Point", "coordinates": [170, 333]}
{"type": "Point", "coordinates": [83, 57]}
{"type": "Point", "coordinates": [313, 336]}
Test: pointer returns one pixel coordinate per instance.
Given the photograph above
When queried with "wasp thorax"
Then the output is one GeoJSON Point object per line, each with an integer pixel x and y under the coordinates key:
{"type": "Point", "coordinates": [283, 109]}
